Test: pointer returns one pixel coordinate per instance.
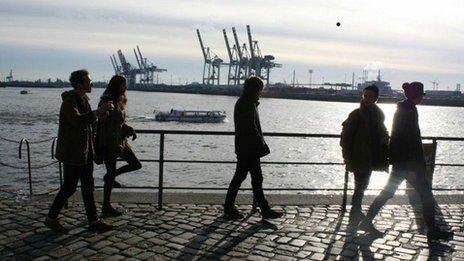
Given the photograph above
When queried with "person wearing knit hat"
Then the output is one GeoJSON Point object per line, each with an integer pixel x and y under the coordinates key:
{"type": "Point", "coordinates": [364, 142]}
{"type": "Point", "coordinates": [408, 162]}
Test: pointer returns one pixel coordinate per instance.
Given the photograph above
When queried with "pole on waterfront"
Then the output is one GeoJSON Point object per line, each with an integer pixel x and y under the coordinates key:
{"type": "Point", "coordinates": [345, 191]}
{"type": "Point", "coordinates": [161, 163]}
{"type": "Point", "coordinates": [310, 71]}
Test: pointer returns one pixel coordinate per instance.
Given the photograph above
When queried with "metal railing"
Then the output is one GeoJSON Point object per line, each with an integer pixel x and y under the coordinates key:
{"type": "Point", "coordinates": [161, 161]}
{"type": "Point", "coordinates": [29, 161]}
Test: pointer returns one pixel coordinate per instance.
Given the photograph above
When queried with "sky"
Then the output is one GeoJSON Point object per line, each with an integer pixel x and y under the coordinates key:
{"type": "Point", "coordinates": [406, 40]}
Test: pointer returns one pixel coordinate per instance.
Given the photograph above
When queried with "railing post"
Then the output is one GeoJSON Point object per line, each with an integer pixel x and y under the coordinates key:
{"type": "Point", "coordinates": [161, 167]}
{"type": "Point", "coordinates": [60, 168]}
{"type": "Point", "coordinates": [28, 160]}
{"type": "Point", "coordinates": [59, 163]}
{"type": "Point", "coordinates": [345, 191]}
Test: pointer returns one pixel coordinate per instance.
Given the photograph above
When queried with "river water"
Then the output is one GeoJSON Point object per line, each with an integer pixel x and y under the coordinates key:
{"type": "Point", "coordinates": [35, 116]}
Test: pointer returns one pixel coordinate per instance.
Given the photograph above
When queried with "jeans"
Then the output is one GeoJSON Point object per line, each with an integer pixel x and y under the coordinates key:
{"type": "Point", "coordinates": [245, 165]}
{"type": "Point", "coordinates": [420, 184]}
{"type": "Point", "coordinates": [72, 174]}
{"type": "Point", "coordinates": [133, 164]}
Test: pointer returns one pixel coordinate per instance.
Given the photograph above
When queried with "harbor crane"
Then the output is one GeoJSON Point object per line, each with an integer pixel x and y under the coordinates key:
{"type": "Point", "coordinates": [243, 61]}
{"type": "Point", "coordinates": [243, 57]}
{"type": "Point", "coordinates": [117, 68]}
{"type": "Point", "coordinates": [435, 84]}
{"type": "Point", "coordinates": [127, 70]}
{"type": "Point", "coordinates": [9, 78]}
{"type": "Point", "coordinates": [259, 65]}
{"type": "Point", "coordinates": [234, 62]}
{"type": "Point", "coordinates": [212, 64]}
{"type": "Point", "coordinates": [145, 70]}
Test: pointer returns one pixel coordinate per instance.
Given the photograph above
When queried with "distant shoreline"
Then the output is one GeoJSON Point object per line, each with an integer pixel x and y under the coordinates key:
{"type": "Point", "coordinates": [271, 92]}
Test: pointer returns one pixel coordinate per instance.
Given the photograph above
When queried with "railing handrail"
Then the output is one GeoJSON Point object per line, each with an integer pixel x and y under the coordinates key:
{"type": "Point", "coordinates": [274, 134]}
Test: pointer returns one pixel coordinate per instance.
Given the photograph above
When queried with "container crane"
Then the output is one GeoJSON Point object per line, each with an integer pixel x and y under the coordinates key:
{"type": "Point", "coordinates": [259, 65]}
{"type": "Point", "coordinates": [233, 61]}
{"type": "Point", "coordinates": [116, 66]}
{"type": "Point", "coordinates": [243, 58]}
{"type": "Point", "coordinates": [211, 66]}
{"type": "Point", "coordinates": [9, 78]}
{"type": "Point", "coordinates": [147, 68]}
{"type": "Point", "coordinates": [127, 70]}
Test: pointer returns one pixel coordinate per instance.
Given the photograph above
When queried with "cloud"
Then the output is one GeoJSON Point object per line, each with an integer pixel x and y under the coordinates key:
{"type": "Point", "coordinates": [412, 36]}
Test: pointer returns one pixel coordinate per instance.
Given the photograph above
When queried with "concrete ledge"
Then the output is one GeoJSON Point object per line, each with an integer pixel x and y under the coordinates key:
{"type": "Point", "coordinates": [246, 198]}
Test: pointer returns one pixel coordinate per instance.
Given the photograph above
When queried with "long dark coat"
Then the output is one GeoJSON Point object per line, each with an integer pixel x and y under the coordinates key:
{"type": "Point", "coordinates": [406, 150]}
{"type": "Point", "coordinates": [356, 140]}
{"type": "Point", "coordinates": [249, 140]}
{"type": "Point", "coordinates": [76, 127]}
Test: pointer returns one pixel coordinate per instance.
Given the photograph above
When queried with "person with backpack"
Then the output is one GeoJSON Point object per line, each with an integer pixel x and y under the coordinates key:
{"type": "Point", "coordinates": [364, 142]}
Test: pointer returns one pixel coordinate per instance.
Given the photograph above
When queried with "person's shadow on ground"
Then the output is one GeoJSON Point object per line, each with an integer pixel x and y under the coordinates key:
{"type": "Point", "coordinates": [438, 250]}
{"type": "Point", "coordinates": [48, 242]}
{"type": "Point", "coordinates": [232, 233]}
{"type": "Point", "coordinates": [353, 242]}
{"type": "Point", "coordinates": [415, 202]}
{"type": "Point", "coordinates": [358, 246]}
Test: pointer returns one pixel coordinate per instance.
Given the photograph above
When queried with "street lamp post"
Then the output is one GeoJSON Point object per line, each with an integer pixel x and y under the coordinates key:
{"type": "Point", "coordinates": [310, 71]}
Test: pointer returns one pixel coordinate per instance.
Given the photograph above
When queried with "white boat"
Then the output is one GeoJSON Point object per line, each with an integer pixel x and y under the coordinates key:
{"type": "Point", "coordinates": [191, 116]}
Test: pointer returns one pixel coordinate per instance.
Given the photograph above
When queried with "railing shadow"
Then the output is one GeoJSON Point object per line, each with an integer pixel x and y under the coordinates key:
{"type": "Point", "coordinates": [334, 234]}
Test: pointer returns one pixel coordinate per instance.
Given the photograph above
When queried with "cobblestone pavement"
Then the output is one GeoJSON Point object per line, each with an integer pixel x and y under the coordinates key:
{"type": "Point", "coordinates": [191, 232]}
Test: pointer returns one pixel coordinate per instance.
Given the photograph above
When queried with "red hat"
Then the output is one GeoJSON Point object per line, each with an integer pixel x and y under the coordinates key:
{"type": "Point", "coordinates": [412, 90]}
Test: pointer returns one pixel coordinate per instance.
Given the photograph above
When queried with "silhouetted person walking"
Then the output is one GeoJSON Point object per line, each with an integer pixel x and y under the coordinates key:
{"type": "Point", "coordinates": [364, 142]}
{"type": "Point", "coordinates": [75, 150]}
{"type": "Point", "coordinates": [249, 147]}
{"type": "Point", "coordinates": [112, 140]}
{"type": "Point", "coordinates": [408, 162]}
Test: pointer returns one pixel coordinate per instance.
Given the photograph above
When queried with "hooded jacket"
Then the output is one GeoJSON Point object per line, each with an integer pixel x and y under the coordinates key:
{"type": "Point", "coordinates": [406, 150]}
{"type": "Point", "coordinates": [76, 130]}
{"type": "Point", "coordinates": [112, 130]}
{"type": "Point", "coordinates": [249, 140]}
{"type": "Point", "coordinates": [364, 140]}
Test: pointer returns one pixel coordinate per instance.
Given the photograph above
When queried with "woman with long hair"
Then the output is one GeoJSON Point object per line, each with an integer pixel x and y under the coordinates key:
{"type": "Point", "coordinates": [112, 140]}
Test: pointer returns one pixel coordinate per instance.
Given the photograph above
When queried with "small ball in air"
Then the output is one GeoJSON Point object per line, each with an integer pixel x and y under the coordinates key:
{"type": "Point", "coordinates": [338, 23]}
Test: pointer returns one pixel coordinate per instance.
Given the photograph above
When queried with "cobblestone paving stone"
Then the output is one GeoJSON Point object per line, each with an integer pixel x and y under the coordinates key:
{"type": "Point", "coordinates": [198, 232]}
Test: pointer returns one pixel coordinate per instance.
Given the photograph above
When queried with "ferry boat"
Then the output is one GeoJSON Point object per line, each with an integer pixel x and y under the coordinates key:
{"type": "Point", "coordinates": [191, 116]}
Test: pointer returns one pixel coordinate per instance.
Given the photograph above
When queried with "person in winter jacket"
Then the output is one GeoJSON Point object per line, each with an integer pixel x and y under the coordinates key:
{"type": "Point", "coordinates": [408, 162]}
{"type": "Point", "coordinates": [112, 140]}
{"type": "Point", "coordinates": [364, 142]}
{"type": "Point", "coordinates": [249, 148]}
{"type": "Point", "coordinates": [75, 149]}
